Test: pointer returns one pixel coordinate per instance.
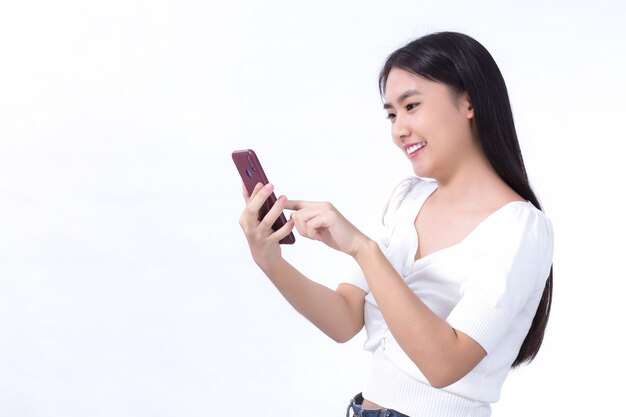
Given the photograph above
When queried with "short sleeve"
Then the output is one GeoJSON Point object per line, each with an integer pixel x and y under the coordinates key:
{"type": "Point", "coordinates": [510, 261]}
{"type": "Point", "coordinates": [394, 201]}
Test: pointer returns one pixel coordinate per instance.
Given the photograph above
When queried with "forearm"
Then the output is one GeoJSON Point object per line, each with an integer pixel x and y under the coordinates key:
{"type": "Point", "coordinates": [325, 308]}
{"type": "Point", "coordinates": [427, 339]}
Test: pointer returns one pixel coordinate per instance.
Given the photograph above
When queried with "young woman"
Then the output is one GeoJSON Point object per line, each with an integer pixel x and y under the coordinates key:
{"type": "Point", "coordinates": [458, 289]}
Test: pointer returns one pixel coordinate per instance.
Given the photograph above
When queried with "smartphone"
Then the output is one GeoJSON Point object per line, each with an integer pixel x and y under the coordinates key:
{"type": "Point", "coordinates": [252, 173]}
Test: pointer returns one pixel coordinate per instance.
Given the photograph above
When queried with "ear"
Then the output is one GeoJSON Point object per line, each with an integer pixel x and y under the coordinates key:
{"type": "Point", "coordinates": [466, 105]}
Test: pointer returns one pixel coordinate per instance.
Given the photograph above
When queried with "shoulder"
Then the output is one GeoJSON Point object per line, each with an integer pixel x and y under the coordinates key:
{"type": "Point", "coordinates": [408, 188]}
{"type": "Point", "coordinates": [518, 234]}
{"type": "Point", "coordinates": [520, 219]}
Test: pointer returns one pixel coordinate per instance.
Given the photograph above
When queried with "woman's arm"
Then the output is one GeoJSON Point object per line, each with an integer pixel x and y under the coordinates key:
{"type": "Point", "coordinates": [443, 354]}
{"type": "Point", "coordinates": [339, 314]}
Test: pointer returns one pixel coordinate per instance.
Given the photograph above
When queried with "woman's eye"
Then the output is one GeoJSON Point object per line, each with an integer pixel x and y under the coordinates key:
{"type": "Point", "coordinates": [411, 106]}
{"type": "Point", "coordinates": [390, 116]}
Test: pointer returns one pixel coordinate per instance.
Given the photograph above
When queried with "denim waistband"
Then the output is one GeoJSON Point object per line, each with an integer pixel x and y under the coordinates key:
{"type": "Point", "coordinates": [359, 411]}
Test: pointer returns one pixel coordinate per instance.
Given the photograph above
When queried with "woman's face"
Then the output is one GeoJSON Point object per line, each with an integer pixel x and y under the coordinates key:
{"type": "Point", "coordinates": [429, 122]}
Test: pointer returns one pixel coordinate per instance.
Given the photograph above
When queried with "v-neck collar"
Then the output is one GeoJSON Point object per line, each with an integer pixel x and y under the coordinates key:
{"type": "Point", "coordinates": [414, 210]}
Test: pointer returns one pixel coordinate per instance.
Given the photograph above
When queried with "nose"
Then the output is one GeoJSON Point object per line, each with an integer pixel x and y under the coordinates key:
{"type": "Point", "coordinates": [400, 130]}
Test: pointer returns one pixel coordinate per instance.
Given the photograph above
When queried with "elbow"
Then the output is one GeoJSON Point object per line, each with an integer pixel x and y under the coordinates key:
{"type": "Point", "coordinates": [341, 339]}
{"type": "Point", "coordinates": [345, 336]}
{"type": "Point", "coordinates": [442, 370]}
{"type": "Point", "coordinates": [440, 382]}
{"type": "Point", "coordinates": [442, 376]}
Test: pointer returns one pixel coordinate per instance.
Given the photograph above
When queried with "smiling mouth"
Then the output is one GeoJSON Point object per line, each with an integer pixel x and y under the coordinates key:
{"type": "Point", "coordinates": [414, 149]}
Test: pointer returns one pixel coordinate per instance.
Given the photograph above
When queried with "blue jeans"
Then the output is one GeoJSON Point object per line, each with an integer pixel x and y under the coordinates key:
{"type": "Point", "coordinates": [357, 409]}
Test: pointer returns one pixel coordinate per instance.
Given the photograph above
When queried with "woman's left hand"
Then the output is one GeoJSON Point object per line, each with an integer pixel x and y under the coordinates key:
{"type": "Point", "coordinates": [322, 221]}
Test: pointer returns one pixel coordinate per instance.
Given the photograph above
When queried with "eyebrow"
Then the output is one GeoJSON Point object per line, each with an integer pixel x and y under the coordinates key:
{"type": "Point", "coordinates": [403, 96]}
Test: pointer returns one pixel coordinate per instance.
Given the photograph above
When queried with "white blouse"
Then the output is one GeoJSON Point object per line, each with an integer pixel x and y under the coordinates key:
{"type": "Point", "coordinates": [488, 286]}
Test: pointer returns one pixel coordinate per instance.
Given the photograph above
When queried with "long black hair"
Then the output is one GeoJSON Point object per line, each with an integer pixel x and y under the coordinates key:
{"type": "Point", "coordinates": [464, 64]}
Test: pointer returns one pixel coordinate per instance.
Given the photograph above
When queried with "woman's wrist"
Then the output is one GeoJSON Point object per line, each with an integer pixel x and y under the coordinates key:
{"type": "Point", "coordinates": [270, 267]}
{"type": "Point", "coordinates": [364, 249]}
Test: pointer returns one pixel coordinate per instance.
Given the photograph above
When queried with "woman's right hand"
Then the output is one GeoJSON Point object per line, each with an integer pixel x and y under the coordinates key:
{"type": "Point", "coordinates": [263, 241]}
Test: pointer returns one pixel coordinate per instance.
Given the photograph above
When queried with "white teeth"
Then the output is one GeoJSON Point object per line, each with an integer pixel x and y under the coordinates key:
{"type": "Point", "coordinates": [415, 147]}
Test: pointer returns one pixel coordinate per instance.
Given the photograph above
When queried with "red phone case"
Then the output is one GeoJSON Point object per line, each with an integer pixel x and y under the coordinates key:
{"type": "Point", "coordinates": [251, 173]}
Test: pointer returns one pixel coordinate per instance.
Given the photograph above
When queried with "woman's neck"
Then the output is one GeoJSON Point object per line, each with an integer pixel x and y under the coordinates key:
{"type": "Point", "coordinates": [470, 184]}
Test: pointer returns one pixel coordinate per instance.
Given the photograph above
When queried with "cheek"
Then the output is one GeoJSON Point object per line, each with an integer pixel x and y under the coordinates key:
{"type": "Point", "coordinates": [419, 123]}
{"type": "Point", "coordinates": [449, 127]}
{"type": "Point", "coordinates": [430, 122]}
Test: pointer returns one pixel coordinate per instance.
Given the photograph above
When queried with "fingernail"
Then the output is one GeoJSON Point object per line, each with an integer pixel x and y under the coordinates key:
{"type": "Point", "coordinates": [268, 186]}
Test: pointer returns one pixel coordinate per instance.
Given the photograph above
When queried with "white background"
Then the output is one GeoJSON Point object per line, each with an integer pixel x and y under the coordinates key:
{"type": "Point", "coordinates": [126, 285]}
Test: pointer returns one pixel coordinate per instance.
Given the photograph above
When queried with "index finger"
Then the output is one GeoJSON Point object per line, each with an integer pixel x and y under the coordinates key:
{"type": "Point", "coordinates": [298, 204]}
